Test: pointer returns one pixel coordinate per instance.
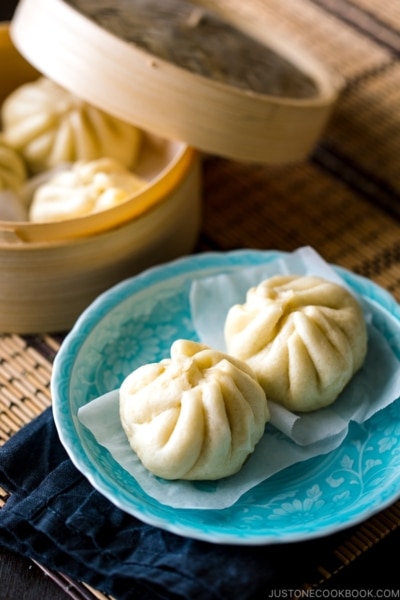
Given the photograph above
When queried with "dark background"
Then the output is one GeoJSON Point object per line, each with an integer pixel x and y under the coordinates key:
{"type": "Point", "coordinates": [7, 8]}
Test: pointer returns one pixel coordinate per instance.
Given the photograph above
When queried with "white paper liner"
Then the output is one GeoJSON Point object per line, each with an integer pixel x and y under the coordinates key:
{"type": "Point", "coordinates": [291, 438]}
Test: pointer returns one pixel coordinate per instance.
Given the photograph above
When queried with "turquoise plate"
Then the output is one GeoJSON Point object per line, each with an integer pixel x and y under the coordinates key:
{"type": "Point", "coordinates": [134, 323]}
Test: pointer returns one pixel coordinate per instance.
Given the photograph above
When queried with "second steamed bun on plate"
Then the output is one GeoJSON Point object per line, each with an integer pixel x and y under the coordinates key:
{"type": "Point", "coordinates": [303, 336]}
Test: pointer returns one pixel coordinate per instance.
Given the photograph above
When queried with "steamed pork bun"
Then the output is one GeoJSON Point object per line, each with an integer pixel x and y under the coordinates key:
{"type": "Point", "coordinates": [304, 337]}
{"type": "Point", "coordinates": [48, 125]}
{"type": "Point", "coordinates": [85, 188]}
{"type": "Point", "coordinates": [12, 168]}
{"type": "Point", "coordinates": [196, 415]}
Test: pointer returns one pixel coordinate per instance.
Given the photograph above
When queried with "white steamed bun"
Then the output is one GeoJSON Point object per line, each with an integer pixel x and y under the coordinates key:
{"type": "Point", "coordinates": [303, 336]}
{"type": "Point", "coordinates": [83, 189]}
{"type": "Point", "coordinates": [49, 125]}
{"type": "Point", "coordinates": [196, 415]}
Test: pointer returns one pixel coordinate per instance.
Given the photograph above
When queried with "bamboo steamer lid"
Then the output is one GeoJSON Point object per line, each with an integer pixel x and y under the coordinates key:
{"type": "Point", "coordinates": [75, 41]}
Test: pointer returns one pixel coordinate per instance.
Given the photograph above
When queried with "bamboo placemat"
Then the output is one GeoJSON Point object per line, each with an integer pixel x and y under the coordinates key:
{"type": "Point", "coordinates": [343, 201]}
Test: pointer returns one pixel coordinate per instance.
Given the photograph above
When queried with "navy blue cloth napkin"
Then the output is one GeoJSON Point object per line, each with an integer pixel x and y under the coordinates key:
{"type": "Point", "coordinates": [53, 515]}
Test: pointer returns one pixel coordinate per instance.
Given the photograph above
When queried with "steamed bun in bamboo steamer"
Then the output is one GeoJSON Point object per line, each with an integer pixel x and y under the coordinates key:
{"type": "Point", "coordinates": [49, 125]}
{"type": "Point", "coordinates": [83, 189]}
{"type": "Point", "coordinates": [196, 415]}
{"type": "Point", "coordinates": [303, 336]}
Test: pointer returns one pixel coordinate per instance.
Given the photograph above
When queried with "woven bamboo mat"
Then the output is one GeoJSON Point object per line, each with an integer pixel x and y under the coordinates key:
{"type": "Point", "coordinates": [344, 201]}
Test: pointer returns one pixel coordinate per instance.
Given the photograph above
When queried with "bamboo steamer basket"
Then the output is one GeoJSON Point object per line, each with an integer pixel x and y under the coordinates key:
{"type": "Point", "coordinates": [50, 272]}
